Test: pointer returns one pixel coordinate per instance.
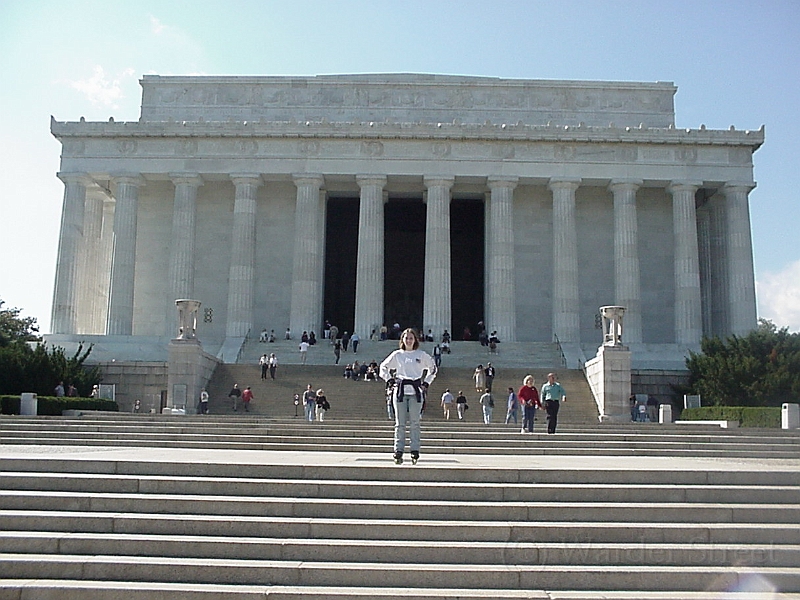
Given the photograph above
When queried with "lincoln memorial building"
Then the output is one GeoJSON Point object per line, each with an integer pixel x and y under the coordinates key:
{"type": "Point", "coordinates": [428, 200]}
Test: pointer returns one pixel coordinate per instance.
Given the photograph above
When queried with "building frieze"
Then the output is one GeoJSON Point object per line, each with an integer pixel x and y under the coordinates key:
{"type": "Point", "coordinates": [454, 131]}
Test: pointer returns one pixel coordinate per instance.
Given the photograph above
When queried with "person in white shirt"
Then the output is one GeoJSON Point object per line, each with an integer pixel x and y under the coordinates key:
{"type": "Point", "coordinates": [447, 403]}
{"type": "Point", "coordinates": [413, 371]}
{"type": "Point", "coordinates": [303, 352]}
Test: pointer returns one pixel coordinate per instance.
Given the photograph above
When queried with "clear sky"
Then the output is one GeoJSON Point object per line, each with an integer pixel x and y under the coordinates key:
{"type": "Point", "coordinates": [734, 62]}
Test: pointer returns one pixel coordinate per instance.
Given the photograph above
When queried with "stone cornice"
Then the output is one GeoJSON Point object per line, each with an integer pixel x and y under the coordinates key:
{"type": "Point", "coordinates": [454, 131]}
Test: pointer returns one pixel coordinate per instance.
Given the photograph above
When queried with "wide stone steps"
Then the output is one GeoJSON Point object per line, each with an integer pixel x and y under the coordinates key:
{"type": "Point", "coordinates": [318, 511]}
{"type": "Point", "coordinates": [453, 437]}
{"type": "Point", "coordinates": [366, 399]}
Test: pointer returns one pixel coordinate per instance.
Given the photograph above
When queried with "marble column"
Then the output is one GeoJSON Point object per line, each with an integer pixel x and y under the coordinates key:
{"type": "Point", "coordinates": [66, 293]}
{"type": "Point", "coordinates": [437, 306]}
{"type": "Point", "coordinates": [94, 276]}
{"type": "Point", "coordinates": [739, 254]}
{"type": "Point", "coordinates": [369, 263]}
{"type": "Point", "coordinates": [123, 266]}
{"type": "Point", "coordinates": [705, 260]}
{"type": "Point", "coordinates": [307, 282]}
{"type": "Point", "coordinates": [241, 278]}
{"type": "Point", "coordinates": [106, 258]}
{"type": "Point", "coordinates": [566, 300]}
{"type": "Point", "coordinates": [182, 242]}
{"type": "Point", "coordinates": [500, 271]}
{"type": "Point", "coordinates": [688, 316]}
{"type": "Point", "coordinates": [718, 271]}
{"type": "Point", "coordinates": [627, 285]}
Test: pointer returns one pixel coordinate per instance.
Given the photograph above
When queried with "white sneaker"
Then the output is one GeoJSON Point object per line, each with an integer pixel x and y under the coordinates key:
{"type": "Point", "coordinates": [522, 430]}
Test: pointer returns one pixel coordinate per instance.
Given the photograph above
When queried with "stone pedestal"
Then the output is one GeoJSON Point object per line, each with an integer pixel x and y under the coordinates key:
{"type": "Point", "coordinates": [665, 414]}
{"type": "Point", "coordinates": [189, 367]}
{"type": "Point", "coordinates": [609, 375]}
{"type": "Point", "coordinates": [28, 404]}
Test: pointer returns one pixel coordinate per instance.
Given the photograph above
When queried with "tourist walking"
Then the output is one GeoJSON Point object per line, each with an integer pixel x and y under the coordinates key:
{"type": "Point", "coordinates": [337, 350]}
{"type": "Point", "coordinates": [413, 370]}
{"type": "Point", "coordinates": [303, 352]}
{"type": "Point", "coordinates": [203, 408]}
{"type": "Point", "coordinates": [479, 376]}
{"type": "Point", "coordinates": [354, 339]}
{"type": "Point", "coordinates": [528, 397]}
{"type": "Point", "coordinates": [489, 374]}
{"type": "Point", "coordinates": [322, 405]}
{"type": "Point", "coordinates": [487, 403]}
{"type": "Point", "coordinates": [447, 403]}
{"type": "Point", "coordinates": [264, 364]}
{"type": "Point", "coordinates": [512, 407]}
{"type": "Point", "coordinates": [461, 405]}
{"type": "Point", "coordinates": [553, 396]}
{"type": "Point", "coordinates": [309, 402]}
{"type": "Point", "coordinates": [234, 395]}
{"type": "Point", "coordinates": [247, 397]}
{"type": "Point", "coordinates": [273, 365]}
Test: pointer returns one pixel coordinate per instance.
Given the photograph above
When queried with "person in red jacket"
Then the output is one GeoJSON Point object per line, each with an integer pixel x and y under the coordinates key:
{"type": "Point", "coordinates": [528, 397]}
{"type": "Point", "coordinates": [247, 396]}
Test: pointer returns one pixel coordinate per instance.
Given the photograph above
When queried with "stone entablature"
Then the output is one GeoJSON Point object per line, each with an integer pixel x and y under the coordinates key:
{"type": "Point", "coordinates": [454, 148]}
{"type": "Point", "coordinates": [407, 98]}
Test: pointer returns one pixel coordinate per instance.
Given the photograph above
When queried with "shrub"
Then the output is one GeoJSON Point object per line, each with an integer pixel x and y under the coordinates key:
{"type": "Point", "coordinates": [52, 406]}
{"type": "Point", "coordinates": [744, 415]}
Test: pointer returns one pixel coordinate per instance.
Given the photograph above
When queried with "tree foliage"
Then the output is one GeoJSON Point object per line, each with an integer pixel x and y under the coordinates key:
{"type": "Point", "coordinates": [25, 367]}
{"type": "Point", "coordinates": [759, 369]}
{"type": "Point", "coordinates": [14, 329]}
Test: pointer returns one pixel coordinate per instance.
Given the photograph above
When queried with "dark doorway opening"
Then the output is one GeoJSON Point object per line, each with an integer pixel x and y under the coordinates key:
{"type": "Point", "coordinates": [467, 264]}
{"type": "Point", "coordinates": [341, 253]}
{"type": "Point", "coordinates": [404, 260]}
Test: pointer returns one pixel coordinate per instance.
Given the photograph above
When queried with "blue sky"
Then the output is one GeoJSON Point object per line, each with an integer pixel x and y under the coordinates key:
{"type": "Point", "coordinates": [734, 62]}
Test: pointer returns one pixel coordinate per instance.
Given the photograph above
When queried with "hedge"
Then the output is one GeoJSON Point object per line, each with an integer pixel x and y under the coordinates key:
{"type": "Point", "coordinates": [746, 416]}
{"type": "Point", "coordinates": [53, 406]}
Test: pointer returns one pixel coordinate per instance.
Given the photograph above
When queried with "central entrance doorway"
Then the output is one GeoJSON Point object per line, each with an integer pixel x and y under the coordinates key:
{"type": "Point", "coordinates": [404, 262]}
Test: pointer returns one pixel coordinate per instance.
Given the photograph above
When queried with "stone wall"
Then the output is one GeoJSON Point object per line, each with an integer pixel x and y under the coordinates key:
{"type": "Point", "coordinates": [143, 381]}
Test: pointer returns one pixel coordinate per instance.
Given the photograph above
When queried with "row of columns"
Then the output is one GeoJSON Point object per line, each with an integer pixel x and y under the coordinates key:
{"type": "Point", "coordinates": [82, 241]}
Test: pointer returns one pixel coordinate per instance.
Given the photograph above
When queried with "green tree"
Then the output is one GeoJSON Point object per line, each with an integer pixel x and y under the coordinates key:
{"type": "Point", "coordinates": [14, 329]}
{"type": "Point", "coordinates": [25, 367]}
{"type": "Point", "coordinates": [759, 369]}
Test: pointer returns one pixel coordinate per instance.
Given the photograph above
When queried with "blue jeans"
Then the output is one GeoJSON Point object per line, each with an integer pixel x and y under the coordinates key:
{"type": "Point", "coordinates": [511, 414]}
{"type": "Point", "coordinates": [528, 418]}
{"type": "Point", "coordinates": [408, 411]}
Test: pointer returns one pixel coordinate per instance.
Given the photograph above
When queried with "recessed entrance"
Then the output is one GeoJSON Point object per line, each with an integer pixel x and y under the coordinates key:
{"type": "Point", "coordinates": [341, 253]}
{"type": "Point", "coordinates": [404, 260]}
{"type": "Point", "coordinates": [404, 263]}
{"type": "Point", "coordinates": [467, 265]}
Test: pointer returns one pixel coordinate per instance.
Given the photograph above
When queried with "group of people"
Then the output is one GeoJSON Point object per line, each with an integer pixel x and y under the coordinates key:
{"type": "Point", "coordinates": [361, 371]}
{"type": "Point", "coordinates": [528, 398]}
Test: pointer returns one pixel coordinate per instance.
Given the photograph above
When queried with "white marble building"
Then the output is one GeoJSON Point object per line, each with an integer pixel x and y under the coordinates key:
{"type": "Point", "coordinates": [431, 200]}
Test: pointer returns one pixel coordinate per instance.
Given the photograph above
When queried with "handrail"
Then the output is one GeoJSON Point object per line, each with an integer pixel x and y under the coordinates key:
{"type": "Point", "coordinates": [241, 348]}
{"type": "Point", "coordinates": [560, 350]}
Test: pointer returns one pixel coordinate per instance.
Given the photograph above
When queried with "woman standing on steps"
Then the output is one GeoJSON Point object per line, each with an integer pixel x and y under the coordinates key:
{"type": "Point", "coordinates": [413, 371]}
